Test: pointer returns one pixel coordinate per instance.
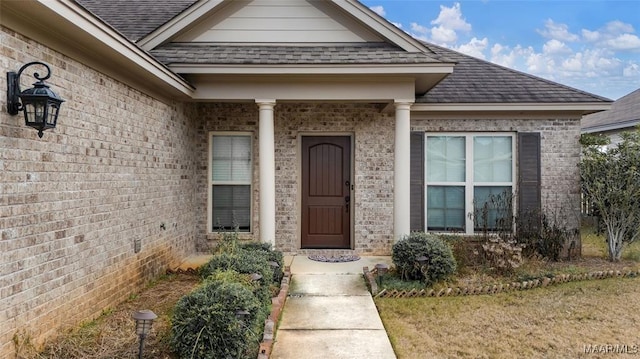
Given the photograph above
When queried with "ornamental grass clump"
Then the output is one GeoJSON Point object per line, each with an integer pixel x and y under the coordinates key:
{"type": "Point", "coordinates": [422, 256]}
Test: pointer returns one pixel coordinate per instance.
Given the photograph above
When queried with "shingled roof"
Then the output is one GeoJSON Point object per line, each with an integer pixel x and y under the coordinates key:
{"type": "Point", "coordinates": [472, 81]}
{"type": "Point", "coordinates": [478, 81]}
{"type": "Point", "coordinates": [624, 112]}
{"type": "Point", "coordinates": [360, 53]}
{"type": "Point", "coordinates": [136, 18]}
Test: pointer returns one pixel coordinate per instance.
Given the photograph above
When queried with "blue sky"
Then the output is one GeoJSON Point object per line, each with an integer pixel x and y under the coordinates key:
{"type": "Point", "coordinates": [590, 45]}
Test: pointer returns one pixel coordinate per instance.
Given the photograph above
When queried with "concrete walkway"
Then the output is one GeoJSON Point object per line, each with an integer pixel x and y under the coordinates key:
{"type": "Point", "coordinates": [330, 313]}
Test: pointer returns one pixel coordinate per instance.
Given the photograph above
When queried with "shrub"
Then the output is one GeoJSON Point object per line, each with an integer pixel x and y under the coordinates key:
{"type": "Point", "coordinates": [541, 235]}
{"type": "Point", "coordinates": [246, 262]}
{"type": "Point", "coordinates": [272, 256]}
{"type": "Point", "coordinates": [504, 256]}
{"type": "Point", "coordinates": [206, 323]}
{"type": "Point", "coordinates": [466, 250]}
{"type": "Point", "coordinates": [440, 261]}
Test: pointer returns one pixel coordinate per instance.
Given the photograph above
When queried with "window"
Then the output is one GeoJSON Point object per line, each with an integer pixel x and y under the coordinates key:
{"type": "Point", "coordinates": [230, 181]}
{"type": "Point", "coordinates": [467, 172]}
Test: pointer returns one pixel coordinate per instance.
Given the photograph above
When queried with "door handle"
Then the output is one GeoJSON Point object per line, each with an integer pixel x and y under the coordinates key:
{"type": "Point", "coordinates": [347, 201]}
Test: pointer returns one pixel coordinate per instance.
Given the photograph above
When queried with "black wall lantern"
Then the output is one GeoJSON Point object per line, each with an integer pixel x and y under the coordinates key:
{"type": "Point", "coordinates": [39, 104]}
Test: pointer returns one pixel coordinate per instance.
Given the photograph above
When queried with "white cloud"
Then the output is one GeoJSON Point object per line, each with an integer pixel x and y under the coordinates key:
{"type": "Point", "coordinates": [590, 36]}
{"type": "Point", "coordinates": [443, 35]}
{"type": "Point", "coordinates": [474, 47]}
{"type": "Point", "coordinates": [631, 70]}
{"type": "Point", "coordinates": [618, 27]}
{"type": "Point", "coordinates": [591, 59]}
{"type": "Point", "coordinates": [448, 23]}
{"type": "Point", "coordinates": [379, 9]}
{"type": "Point", "coordinates": [451, 18]}
{"type": "Point", "coordinates": [573, 64]}
{"type": "Point", "coordinates": [419, 28]}
{"type": "Point", "coordinates": [557, 31]}
{"type": "Point", "coordinates": [624, 42]}
{"type": "Point", "coordinates": [553, 47]}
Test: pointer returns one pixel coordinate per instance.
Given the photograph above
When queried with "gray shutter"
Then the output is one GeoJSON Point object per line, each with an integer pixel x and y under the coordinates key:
{"type": "Point", "coordinates": [529, 192]}
{"type": "Point", "coordinates": [417, 181]}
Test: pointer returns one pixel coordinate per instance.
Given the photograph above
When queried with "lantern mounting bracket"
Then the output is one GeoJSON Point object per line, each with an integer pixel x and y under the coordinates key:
{"type": "Point", "coordinates": [13, 86]}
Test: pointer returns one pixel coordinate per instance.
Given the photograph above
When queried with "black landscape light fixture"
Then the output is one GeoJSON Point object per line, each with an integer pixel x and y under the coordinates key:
{"type": "Point", "coordinates": [423, 265]}
{"type": "Point", "coordinates": [40, 105]}
{"type": "Point", "coordinates": [422, 260]}
{"type": "Point", "coordinates": [381, 270]}
{"type": "Point", "coordinates": [255, 276]}
{"type": "Point", "coordinates": [144, 320]}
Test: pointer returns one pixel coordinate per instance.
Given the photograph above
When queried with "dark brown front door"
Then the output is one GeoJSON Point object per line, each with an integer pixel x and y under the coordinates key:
{"type": "Point", "coordinates": [326, 190]}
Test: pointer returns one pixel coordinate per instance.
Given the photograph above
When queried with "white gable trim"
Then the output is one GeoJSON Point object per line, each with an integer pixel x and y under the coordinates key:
{"type": "Point", "coordinates": [381, 26]}
{"type": "Point", "coordinates": [171, 28]}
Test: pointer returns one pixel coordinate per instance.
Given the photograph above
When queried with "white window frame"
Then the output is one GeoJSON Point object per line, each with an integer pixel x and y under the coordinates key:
{"type": "Point", "coordinates": [211, 182]}
{"type": "Point", "coordinates": [469, 183]}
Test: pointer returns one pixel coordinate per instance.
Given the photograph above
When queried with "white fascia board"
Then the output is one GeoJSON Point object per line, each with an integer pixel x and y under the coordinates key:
{"type": "Point", "coordinates": [359, 69]}
{"type": "Point", "coordinates": [585, 107]}
{"type": "Point", "coordinates": [177, 24]}
{"type": "Point", "coordinates": [115, 41]}
{"type": "Point", "coordinates": [381, 26]}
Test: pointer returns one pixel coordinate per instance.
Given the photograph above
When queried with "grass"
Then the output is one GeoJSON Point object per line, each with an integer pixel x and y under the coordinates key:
{"type": "Point", "coordinates": [561, 321]}
{"type": "Point", "coordinates": [112, 334]}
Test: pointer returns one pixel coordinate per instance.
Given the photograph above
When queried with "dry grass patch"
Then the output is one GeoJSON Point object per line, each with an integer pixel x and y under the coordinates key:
{"type": "Point", "coordinates": [552, 322]}
{"type": "Point", "coordinates": [112, 335]}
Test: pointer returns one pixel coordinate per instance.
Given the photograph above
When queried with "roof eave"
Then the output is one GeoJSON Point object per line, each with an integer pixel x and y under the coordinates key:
{"type": "Point", "coordinates": [575, 108]}
{"type": "Point", "coordinates": [612, 127]}
{"type": "Point", "coordinates": [102, 47]}
{"type": "Point", "coordinates": [313, 69]}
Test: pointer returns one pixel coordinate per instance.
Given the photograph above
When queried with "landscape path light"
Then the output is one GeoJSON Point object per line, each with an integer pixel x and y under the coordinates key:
{"type": "Point", "coordinates": [423, 263]}
{"type": "Point", "coordinates": [381, 270]}
{"type": "Point", "coordinates": [144, 320]}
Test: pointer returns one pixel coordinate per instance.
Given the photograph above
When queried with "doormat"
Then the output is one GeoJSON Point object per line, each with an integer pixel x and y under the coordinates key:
{"type": "Point", "coordinates": [333, 259]}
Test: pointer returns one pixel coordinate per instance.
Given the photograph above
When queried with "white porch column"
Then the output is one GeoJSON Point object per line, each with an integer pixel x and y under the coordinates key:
{"type": "Point", "coordinates": [266, 155]}
{"type": "Point", "coordinates": [401, 170]}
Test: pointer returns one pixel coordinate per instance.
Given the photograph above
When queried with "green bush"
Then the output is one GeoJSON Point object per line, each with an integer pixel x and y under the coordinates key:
{"type": "Point", "coordinates": [246, 262]}
{"type": "Point", "coordinates": [206, 323]}
{"type": "Point", "coordinates": [440, 261]}
{"type": "Point", "coordinates": [272, 256]}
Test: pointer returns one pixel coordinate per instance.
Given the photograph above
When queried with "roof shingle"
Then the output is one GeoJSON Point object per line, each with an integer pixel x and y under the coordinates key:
{"type": "Point", "coordinates": [624, 112]}
{"type": "Point", "coordinates": [478, 81]}
{"type": "Point", "coordinates": [361, 53]}
{"type": "Point", "coordinates": [136, 18]}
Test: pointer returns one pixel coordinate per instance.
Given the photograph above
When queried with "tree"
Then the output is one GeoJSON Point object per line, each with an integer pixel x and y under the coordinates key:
{"type": "Point", "coordinates": [611, 182]}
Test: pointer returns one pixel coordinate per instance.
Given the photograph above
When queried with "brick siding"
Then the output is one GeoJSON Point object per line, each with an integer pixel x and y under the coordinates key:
{"type": "Point", "coordinates": [122, 166]}
{"type": "Point", "coordinates": [118, 165]}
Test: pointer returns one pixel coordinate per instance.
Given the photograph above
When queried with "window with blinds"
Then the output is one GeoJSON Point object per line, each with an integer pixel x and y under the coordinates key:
{"type": "Point", "coordinates": [230, 181]}
{"type": "Point", "coordinates": [464, 173]}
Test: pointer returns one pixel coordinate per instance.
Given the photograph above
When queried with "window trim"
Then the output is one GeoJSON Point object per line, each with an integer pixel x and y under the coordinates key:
{"type": "Point", "coordinates": [211, 182]}
{"type": "Point", "coordinates": [469, 183]}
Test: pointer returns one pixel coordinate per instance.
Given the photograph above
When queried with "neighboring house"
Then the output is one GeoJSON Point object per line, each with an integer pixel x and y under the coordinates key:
{"type": "Point", "coordinates": [311, 125]}
{"type": "Point", "coordinates": [624, 115]}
